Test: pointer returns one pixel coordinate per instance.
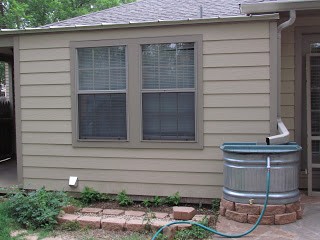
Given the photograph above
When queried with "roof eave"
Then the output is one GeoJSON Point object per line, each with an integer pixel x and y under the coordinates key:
{"type": "Point", "coordinates": [140, 24]}
{"type": "Point", "coordinates": [272, 7]}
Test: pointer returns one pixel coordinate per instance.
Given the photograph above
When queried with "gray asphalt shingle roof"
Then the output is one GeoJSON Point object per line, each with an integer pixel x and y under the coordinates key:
{"type": "Point", "coordinates": [154, 10]}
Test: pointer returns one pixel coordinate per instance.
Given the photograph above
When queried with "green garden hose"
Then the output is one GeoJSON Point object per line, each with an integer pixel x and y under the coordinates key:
{"type": "Point", "coordinates": [223, 234]}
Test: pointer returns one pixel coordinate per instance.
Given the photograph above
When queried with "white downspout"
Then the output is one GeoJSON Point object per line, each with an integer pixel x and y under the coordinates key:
{"type": "Point", "coordinates": [283, 136]}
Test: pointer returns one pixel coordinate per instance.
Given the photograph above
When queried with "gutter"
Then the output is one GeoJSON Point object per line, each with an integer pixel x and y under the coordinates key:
{"type": "Point", "coordinates": [102, 26]}
{"type": "Point", "coordinates": [283, 6]}
{"type": "Point", "coordinates": [283, 136]}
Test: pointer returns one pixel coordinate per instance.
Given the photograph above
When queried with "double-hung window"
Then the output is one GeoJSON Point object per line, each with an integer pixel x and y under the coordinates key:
{"type": "Point", "coordinates": [137, 93]}
{"type": "Point", "coordinates": [101, 93]}
{"type": "Point", "coordinates": [168, 91]}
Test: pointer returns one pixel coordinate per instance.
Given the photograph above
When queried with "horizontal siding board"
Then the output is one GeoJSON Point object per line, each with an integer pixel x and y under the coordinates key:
{"type": "Point", "coordinates": [47, 138]}
{"type": "Point", "coordinates": [287, 49]}
{"type": "Point", "coordinates": [256, 127]}
{"type": "Point", "coordinates": [215, 139]}
{"type": "Point", "coordinates": [289, 122]}
{"type": "Point", "coordinates": [46, 114]}
{"type": "Point", "coordinates": [240, 113]}
{"type": "Point", "coordinates": [287, 36]}
{"type": "Point", "coordinates": [237, 100]}
{"type": "Point", "coordinates": [129, 164]}
{"type": "Point", "coordinates": [184, 190]}
{"type": "Point", "coordinates": [45, 66]}
{"type": "Point", "coordinates": [236, 73]}
{"type": "Point", "coordinates": [221, 87]}
{"type": "Point", "coordinates": [238, 31]}
{"type": "Point", "coordinates": [210, 140]}
{"type": "Point", "coordinates": [46, 90]}
{"type": "Point", "coordinates": [287, 62]}
{"type": "Point", "coordinates": [46, 126]}
{"type": "Point", "coordinates": [287, 87]}
{"type": "Point", "coordinates": [125, 176]}
{"type": "Point", "coordinates": [46, 102]}
{"type": "Point", "coordinates": [287, 74]}
{"type": "Point", "coordinates": [66, 151]}
{"type": "Point", "coordinates": [236, 60]}
{"type": "Point", "coordinates": [47, 54]}
{"type": "Point", "coordinates": [236, 46]}
{"type": "Point", "coordinates": [45, 78]}
{"type": "Point", "coordinates": [287, 111]}
{"type": "Point", "coordinates": [287, 99]}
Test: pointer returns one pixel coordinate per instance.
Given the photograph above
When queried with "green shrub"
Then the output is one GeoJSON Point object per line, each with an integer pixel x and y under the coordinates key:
{"type": "Point", "coordinates": [89, 195]}
{"type": "Point", "coordinates": [123, 199]}
{"type": "Point", "coordinates": [36, 209]}
{"type": "Point", "coordinates": [173, 200]}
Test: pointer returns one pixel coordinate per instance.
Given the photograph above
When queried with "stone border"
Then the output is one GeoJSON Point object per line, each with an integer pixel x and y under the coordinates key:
{"type": "Point", "coordinates": [249, 213]}
{"type": "Point", "coordinates": [120, 220]}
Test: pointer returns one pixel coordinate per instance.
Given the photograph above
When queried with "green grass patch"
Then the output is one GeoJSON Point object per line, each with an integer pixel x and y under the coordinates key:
{"type": "Point", "coordinates": [7, 224]}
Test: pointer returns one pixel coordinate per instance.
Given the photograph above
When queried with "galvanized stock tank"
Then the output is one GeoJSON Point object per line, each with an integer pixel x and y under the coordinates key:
{"type": "Point", "coordinates": [245, 172]}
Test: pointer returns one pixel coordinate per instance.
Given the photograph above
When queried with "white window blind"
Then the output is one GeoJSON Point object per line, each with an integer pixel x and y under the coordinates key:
{"type": "Point", "coordinates": [168, 91]}
{"type": "Point", "coordinates": [102, 93]}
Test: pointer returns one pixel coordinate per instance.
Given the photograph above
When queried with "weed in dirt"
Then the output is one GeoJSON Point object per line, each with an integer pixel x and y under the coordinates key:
{"type": "Point", "coordinates": [90, 195]}
{"type": "Point", "coordinates": [147, 220]}
{"type": "Point", "coordinates": [216, 204]}
{"type": "Point", "coordinates": [147, 203]}
{"type": "Point", "coordinates": [173, 200]}
{"type": "Point", "coordinates": [158, 201]}
{"type": "Point", "coordinates": [194, 232]}
{"type": "Point", "coordinates": [123, 199]}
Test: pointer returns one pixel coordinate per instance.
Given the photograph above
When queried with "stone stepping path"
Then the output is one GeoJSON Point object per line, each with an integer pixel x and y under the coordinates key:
{"type": "Point", "coordinates": [120, 220]}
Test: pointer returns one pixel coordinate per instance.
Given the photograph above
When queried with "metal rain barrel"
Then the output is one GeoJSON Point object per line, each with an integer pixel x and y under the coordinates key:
{"type": "Point", "coordinates": [245, 172]}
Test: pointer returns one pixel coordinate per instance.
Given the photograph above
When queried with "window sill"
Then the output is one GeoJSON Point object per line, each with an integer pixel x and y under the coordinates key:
{"type": "Point", "coordinates": [145, 144]}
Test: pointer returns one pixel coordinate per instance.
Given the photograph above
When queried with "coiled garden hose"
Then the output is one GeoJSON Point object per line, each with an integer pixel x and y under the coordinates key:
{"type": "Point", "coordinates": [223, 234]}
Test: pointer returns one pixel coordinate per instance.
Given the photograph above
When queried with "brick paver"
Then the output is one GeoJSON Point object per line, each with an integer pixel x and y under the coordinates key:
{"type": "Point", "coordinates": [113, 224]}
{"type": "Point", "coordinates": [89, 221]}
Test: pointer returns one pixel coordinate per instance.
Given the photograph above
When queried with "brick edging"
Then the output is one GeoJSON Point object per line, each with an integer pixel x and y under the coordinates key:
{"type": "Point", "coordinates": [249, 213]}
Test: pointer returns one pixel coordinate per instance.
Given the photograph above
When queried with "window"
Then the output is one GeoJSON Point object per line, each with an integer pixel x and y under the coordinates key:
{"type": "Point", "coordinates": [137, 93]}
{"type": "Point", "coordinates": [101, 93]}
{"type": "Point", "coordinates": [168, 91]}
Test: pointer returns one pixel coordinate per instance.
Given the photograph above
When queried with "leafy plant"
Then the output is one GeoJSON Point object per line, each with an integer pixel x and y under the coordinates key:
{"type": "Point", "coordinates": [123, 199]}
{"type": "Point", "coordinates": [173, 200]}
{"type": "Point", "coordinates": [158, 201]}
{"type": "Point", "coordinates": [216, 204]}
{"type": "Point", "coordinates": [90, 195]}
{"type": "Point", "coordinates": [194, 232]}
{"type": "Point", "coordinates": [147, 203]}
{"type": "Point", "coordinates": [36, 209]}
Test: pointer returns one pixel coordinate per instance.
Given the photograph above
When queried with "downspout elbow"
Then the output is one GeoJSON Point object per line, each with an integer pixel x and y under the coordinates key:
{"type": "Point", "coordinates": [282, 137]}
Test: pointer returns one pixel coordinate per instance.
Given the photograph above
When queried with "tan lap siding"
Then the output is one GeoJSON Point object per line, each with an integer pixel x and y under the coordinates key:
{"type": "Point", "coordinates": [236, 108]}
